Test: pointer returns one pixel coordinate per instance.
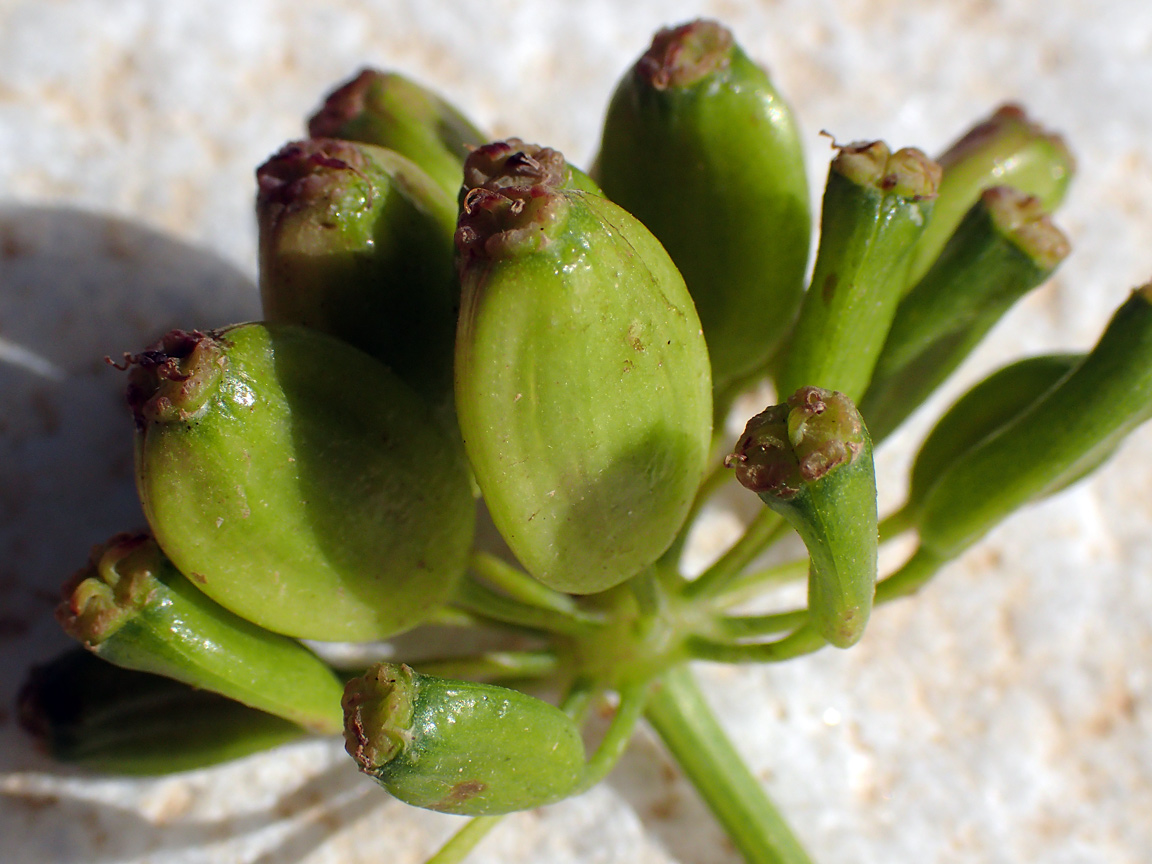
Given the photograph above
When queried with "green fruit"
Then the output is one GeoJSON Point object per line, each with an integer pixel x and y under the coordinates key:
{"type": "Point", "coordinates": [876, 204]}
{"type": "Point", "coordinates": [131, 607]}
{"type": "Point", "coordinates": [810, 460]}
{"type": "Point", "coordinates": [88, 712]}
{"type": "Point", "coordinates": [582, 378]}
{"type": "Point", "coordinates": [356, 241]}
{"type": "Point", "coordinates": [388, 110]}
{"type": "Point", "coordinates": [1005, 246]}
{"type": "Point", "coordinates": [298, 482]}
{"type": "Point", "coordinates": [699, 146]}
{"type": "Point", "coordinates": [460, 747]}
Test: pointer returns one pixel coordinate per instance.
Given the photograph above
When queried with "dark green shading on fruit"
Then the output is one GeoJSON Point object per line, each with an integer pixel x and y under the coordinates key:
{"type": "Point", "coordinates": [1004, 247]}
{"type": "Point", "coordinates": [85, 711]}
{"type": "Point", "coordinates": [389, 110]}
{"type": "Point", "coordinates": [989, 405]}
{"type": "Point", "coordinates": [457, 746]}
{"type": "Point", "coordinates": [356, 241]}
{"type": "Point", "coordinates": [582, 380]}
{"type": "Point", "coordinates": [701, 148]}
{"type": "Point", "coordinates": [876, 204]}
{"type": "Point", "coordinates": [1007, 149]}
{"type": "Point", "coordinates": [810, 460]}
{"type": "Point", "coordinates": [298, 482]}
{"type": "Point", "coordinates": [1064, 433]}
{"type": "Point", "coordinates": [132, 608]}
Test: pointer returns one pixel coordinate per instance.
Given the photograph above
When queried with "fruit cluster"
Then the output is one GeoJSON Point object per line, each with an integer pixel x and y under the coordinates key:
{"type": "Point", "coordinates": [452, 323]}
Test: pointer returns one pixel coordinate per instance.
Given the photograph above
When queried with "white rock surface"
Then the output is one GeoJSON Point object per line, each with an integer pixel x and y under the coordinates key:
{"type": "Point", "coordinates": [1003, 715]}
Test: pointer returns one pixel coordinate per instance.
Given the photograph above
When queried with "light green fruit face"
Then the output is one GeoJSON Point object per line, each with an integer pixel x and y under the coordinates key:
{"type": "Point", "coordinates": [584, 397]}
{"type": "Point", "coordinates": [461, 747]}
{"type": "Point", "coordinates": [312, 493]}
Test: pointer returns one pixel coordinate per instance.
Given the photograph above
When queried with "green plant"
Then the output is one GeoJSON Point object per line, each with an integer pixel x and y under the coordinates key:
{"type": "Point", "coordinates": [318, 493]}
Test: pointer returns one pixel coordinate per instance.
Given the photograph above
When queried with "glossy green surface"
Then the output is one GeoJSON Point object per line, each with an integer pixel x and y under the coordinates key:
{"type": "Point", "coordinates": [584, 398]}
{"type": "Point", "coordinates": [989, 405]}
{"type": "Point", "coordinates": [1007, 149]}
{"type": "Point", "coordinates": [1004, 247]}
{"type": "Point", "coordinates": [460, 747]}
{"type": "Point", "coordinates": [1053, 441]}
{"type": "Point", "coordinates": [867, 228]}
{"type": "Point", "coordinates": [134, 609]}
{"type": "Point", "coordinates": [389, 110]}
{"type": "Point", "coordinates": [313, 493]}
{"type": "Point", "coordinates": [87, 712]}
{"type": "Point", "coordinates": [714, 168]}
{"type": "Point", "coordinates": [356, 241]}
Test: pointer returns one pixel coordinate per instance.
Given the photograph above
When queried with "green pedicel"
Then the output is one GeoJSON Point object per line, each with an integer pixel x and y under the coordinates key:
{"type": "Point", "coordinates": [1007, 149]}
{"type": "Point", "coordinates": [810, 460]}
{"type": "Point", "coordinates": [298, 482]}
{"type": "Point", "coordinates": [1005, 247]}
{"type": "Point", "coordinates": [1053, 442]}
{"type": "Point", "coordinates": [582, 384]}
{"type": "Point", "coordinates": [356, 241]}
{"type": "Point", "coordinates": [698, 145]}
{"type": "Point", "coordinates": [131, 607]}
{"type": "Point", "coordinates": [388, 110]}
{"type": "Point", "coordinates": [876, 205]}
{"type": "Point", "coordinates": [460, 747]}
{"type": "Point", "coordinates": [85, 711]}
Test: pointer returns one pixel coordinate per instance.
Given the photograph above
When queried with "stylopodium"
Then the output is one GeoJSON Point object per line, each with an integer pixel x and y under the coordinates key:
{"type": "Point", "coordinates": [450, 319]}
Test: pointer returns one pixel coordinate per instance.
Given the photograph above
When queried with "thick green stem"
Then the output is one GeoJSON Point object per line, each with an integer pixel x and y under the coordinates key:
{"type": "Point", "coordinates": [681, 717]}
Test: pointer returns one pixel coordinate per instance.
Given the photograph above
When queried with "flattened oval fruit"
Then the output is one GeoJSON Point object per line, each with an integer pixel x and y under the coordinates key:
{"type": "Point", "coordinates": [583, 388]}
{"type": "Point", "coordinates": [298, 482]}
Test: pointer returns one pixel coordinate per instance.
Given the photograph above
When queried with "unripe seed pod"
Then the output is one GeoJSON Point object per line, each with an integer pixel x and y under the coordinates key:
{"type": "Point", "coordinates": [388, 110]}
{"type": "Point", "coordinates": [810, 460]}
{"type": "Point", "coordinates": [298, 482]}
{"type": "Point", "coordinates": [1007, 149]}
{"type": "Point", "coordinates": [457, 746]}
{"type": "Point", "coordinates": [699, 146]}
{"type": "Point", "coordinates": [876, 204]}
{"type": "Point", "coordinates": [989, 405]}
{"type": "Point", "coordinates": [356, 241]}
{"type": "Point", "coordinates": [582, 378]}
{"type": "Point", "coordinates": [85, 711]}
{"type": "Point", "coordinates": [1053, 441]}
{"type": "Point", "coordinates": [131, 607]}
{"type": "Point", "coordinates": [1005, 246]}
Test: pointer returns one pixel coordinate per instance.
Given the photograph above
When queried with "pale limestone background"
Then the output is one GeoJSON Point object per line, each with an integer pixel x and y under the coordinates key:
{"type": "Point", "coordinates": [1004, 715]}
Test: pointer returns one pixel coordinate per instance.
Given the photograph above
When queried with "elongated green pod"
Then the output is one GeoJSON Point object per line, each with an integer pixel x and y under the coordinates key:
{"type": "Point", "coordinates": [457, 746]}
{"type": "Point", "coordinates": [1052, 442]}
{"type": "Point", "coordinates": [582, 382]}
{"type": "Point", "coordinates": [298, 482]}
{"type": "Point", "coordinates": [85, 711]}
{"type": "Point", "coordinates": [131, 607]}
{"type": "Point", "coordinates": [876, 204]}
{"type": "Point", "coordinates": [356, 241]}
{"type": "Point", "coordinates": [389, 110]}
{"type": "Point", "coordinates": [810, 460]}
{"type": "Point", "coordinates": [1005, 247]}
{"type": "Point", "coordinates": [989, 405]}
{"type": "Point", "coordinates": [1007, 149]}
{"type": "Point", "coordinates": [700, 147]}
